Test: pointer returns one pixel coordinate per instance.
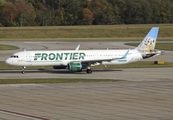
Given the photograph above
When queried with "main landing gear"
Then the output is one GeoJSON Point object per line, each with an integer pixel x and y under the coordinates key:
{"type": "Point", "coordinates": [89, 71]}
{"type": "Point", "coordinates": [23, 69]}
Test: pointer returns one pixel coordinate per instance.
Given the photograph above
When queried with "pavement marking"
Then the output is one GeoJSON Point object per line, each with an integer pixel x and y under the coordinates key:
{"type": "Point", "coordinates": [20, 114]}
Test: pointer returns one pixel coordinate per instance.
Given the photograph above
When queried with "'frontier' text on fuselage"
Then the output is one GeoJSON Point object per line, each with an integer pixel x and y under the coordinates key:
{"type": "Point", "coordinates": [60, 56]}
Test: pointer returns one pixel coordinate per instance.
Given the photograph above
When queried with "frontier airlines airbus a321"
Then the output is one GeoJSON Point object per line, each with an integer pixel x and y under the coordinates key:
{"type": "Point", "coordinates": [77, 60]}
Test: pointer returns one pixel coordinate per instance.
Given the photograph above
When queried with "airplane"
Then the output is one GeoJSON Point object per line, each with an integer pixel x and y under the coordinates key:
{"type": "Point", "coordinates": [77, 60]}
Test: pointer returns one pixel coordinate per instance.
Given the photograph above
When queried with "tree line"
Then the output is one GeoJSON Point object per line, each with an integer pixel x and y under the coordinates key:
{"type": "Point", "coordinates": [84, 12]}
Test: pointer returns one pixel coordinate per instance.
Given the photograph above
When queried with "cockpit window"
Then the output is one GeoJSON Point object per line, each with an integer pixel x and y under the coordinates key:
{"type": "Point", "coordinates": [14, 56]}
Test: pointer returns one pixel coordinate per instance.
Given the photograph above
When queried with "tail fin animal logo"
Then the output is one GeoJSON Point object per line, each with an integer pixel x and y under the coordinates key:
{"type": "Point", "coordinates": [149, 44]}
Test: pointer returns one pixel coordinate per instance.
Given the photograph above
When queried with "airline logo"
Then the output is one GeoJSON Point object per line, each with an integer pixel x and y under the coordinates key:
{"type": "Point", "coordinates": [60, 56]}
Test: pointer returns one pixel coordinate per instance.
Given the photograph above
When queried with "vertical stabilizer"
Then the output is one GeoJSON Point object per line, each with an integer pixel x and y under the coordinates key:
{"type": "Point", "coordinates": [149, 42]}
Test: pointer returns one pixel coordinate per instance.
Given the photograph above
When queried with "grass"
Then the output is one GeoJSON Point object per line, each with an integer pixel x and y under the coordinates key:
{"type": "Point", "coordinates": [8, 47]}
{"type": "Point", "coordinates": [161, 46]}
{"type": "Point", "coordinates": [52, 80]}
{"type": "Point", "coordinates": [140, 64]}
{"type": "Point", "coordinates": [100, 32]}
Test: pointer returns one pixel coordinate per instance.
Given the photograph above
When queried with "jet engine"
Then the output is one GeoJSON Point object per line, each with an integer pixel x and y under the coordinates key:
{"type": "Point", "coordinates": [75, 66]}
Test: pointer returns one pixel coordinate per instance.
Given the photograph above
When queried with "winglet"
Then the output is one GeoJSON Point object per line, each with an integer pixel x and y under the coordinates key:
{"type": "Point", "coordinates": [77, 48]}
{"type": "Point", "coordinates": [125, 55]}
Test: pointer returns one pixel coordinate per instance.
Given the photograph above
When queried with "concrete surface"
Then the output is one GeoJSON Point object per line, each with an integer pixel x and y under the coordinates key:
{"type": "Point", "coordinates": [145, 100]}
{"type": "Point", "coordinates": [133, 74]}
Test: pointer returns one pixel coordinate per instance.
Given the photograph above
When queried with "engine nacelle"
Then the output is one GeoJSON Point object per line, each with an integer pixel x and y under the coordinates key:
{"type": "Point", "coordinates": [75, 66]}
{"type": "Point", "coordinates": [59, 67]}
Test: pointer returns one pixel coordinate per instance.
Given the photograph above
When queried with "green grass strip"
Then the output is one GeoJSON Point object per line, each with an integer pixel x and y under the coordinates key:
{"type": "Point", "coordinates": [53, 80]}
{"type": "Point", "coordinates": [98, 32]}
{"type": "Point", "coordinates": [8, 47]}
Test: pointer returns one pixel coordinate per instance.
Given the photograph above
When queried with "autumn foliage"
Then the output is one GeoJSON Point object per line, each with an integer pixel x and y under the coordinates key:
{"type": "Point", "coordinates": [84, 12]}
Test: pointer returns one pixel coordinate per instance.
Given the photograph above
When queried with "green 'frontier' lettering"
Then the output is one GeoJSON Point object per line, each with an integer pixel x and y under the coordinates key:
{"type": "Point", "coordinates": [66, 55]}
{"type": "Point", "coordinates": [75, 56]}
{"type": "Point", "coordinates": [82, 55]}
{"type": "Point", "coordinates": [37, 55]}
{"type": "Point", "coordinates": [60, 56]}
{"type": "Point", "coordinates": [44, 56]}
{"type": "Point", "coordinates": [71, 55]}
{"type": "Point", "coordinates": [51, 56]}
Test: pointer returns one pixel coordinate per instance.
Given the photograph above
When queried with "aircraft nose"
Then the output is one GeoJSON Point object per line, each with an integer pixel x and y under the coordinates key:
{"type": "Point", "coordinates": [9, 61]}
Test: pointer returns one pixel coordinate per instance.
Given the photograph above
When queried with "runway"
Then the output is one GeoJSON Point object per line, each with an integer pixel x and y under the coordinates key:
{"type": "Point", "coordinates": [146, 100]}
{"type": "Point", "coordinates": [146, 93]}
{"type": "Point", "coordinates": [135, 74]}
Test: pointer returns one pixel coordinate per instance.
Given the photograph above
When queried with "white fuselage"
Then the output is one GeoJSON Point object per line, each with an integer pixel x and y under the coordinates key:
{"type": "Point", "coordinates": [62, 58]}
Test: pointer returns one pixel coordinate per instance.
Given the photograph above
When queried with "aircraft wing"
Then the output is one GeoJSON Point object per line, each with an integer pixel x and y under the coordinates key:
{"type": "Point", "coordinates": [104, 60]}
{"type": "Point", "coordinates": [95, 61]}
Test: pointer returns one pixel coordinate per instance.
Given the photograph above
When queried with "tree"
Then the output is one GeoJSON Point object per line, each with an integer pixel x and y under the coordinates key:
{"type": "Point", "coordinates": [155, 7]}
{"type": "Point", "coordinates": [72, 12]}
{"type": "Point", "coordinates": [42, 13]}
{"type": "Point", "coordinates": [26, 12]}
{"type": "Point", "coordinates": [87, 16]}
{"type": "Point", "coordinates": [166, 12]}
{"type": "Point", "coordinates": [117, 9]}
{"type": "Point", "coordinates": [103, 12]}
{"type": "Point", "coordinates": [9, 11]}
{"type": "Point", "coordinates": [84, 12]}
{"type": "Point", "coordinates": [133, 12]}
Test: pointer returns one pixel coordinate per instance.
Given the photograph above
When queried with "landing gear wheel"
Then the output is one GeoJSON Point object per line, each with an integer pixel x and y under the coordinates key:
{"type": "Point", "coordinates": [89, 71]}
{"type": "Point", "coordinates": [23, 70]}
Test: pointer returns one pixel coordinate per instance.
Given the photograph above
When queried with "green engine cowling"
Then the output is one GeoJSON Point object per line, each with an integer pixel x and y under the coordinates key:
{"type": "Point", "coordinates": [75, 66]}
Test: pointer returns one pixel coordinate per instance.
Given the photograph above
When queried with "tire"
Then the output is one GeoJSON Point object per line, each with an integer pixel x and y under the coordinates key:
{"type": "Point", "coordinates": [23, 72]}
{"type": "Point", "coordinates": [89, 71]}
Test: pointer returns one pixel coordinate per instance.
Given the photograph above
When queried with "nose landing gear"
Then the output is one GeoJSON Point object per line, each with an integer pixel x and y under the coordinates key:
{"type": "Point", "coordinates": [23, 69]}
